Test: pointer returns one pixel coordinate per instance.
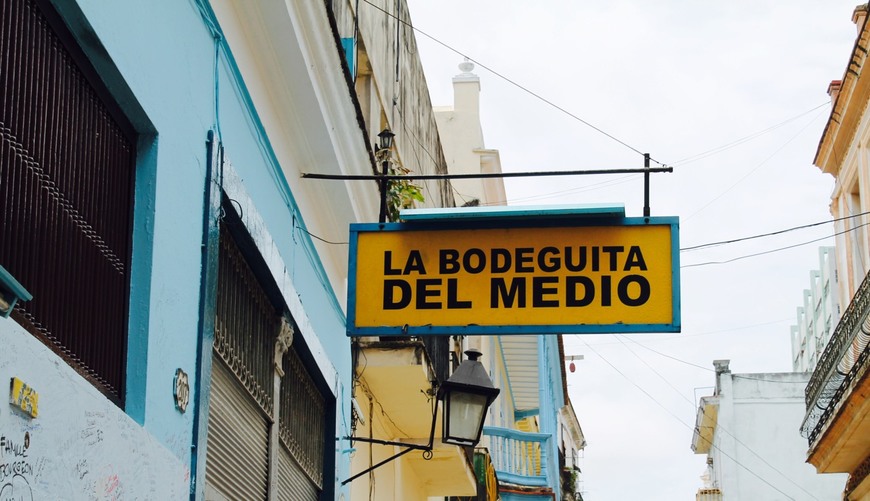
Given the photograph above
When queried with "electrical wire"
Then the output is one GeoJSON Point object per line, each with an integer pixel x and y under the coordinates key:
{"type": "Point", "coordinates": [777, 232]}
{"type": "Point", "coordinates": [672, 357]}
{"type": "Point", "coordinates": [435, 164]}
{"type": "Point", "coordinates": [579, 189]}
{"type": "Point", "coordinates": [719, 425]}
{"type": "Point", "coordinates": [312, 235]}
{"type": "Point", "coordinates": [737, 142]}
{"type": "Point", "coordinates": [706, 368]}
{"type": "Point", "coordinates": [771, 251]}
{"type": "Point", "coordinates": [679, 420]}
{"type": "Point", "coordinates": [753, 170]}
{"type": "Point", "coordinates": [512, 82]}
{"type": "Point", "coordinates": [682, 337]}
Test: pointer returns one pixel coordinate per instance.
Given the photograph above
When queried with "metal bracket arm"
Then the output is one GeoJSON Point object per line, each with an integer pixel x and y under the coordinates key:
{"type": "Point", "coordinates": [427, 449]}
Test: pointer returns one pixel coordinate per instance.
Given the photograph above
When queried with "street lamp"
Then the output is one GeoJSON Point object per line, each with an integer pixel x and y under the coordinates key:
{"type": "Point", "coordinates": [386, 137]}
{"type": "Point", "coordinates": [467, 395]}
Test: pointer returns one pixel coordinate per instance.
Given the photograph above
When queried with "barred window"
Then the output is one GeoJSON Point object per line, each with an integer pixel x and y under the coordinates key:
{"type": "Point", "coordinates": [67, 165]}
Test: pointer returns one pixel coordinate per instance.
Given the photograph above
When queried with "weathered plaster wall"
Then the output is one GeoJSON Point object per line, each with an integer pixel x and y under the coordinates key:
{"type": "Point", "coordinates": [403, 94]}
{"type": "Point", "coordinates": [79, 446]}
{"type": "Point", "coordinates": [177, 82]}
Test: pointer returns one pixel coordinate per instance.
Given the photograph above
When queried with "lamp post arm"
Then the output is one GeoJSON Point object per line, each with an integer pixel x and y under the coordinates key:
{"type": "Point", "coordinates": [385, 461]}
{"type": "Point", "coordinates": [387, 442]}
{"type": "Point", "coordinates": [427, 449]}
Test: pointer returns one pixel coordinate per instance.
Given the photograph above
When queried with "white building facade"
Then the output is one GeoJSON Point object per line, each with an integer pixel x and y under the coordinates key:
{"type": "Point", "coordinates": [749, 431]}
{"type": "Point", "coordinates": [818, 315]}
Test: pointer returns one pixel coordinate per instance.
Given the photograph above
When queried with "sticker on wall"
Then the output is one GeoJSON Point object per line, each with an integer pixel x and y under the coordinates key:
{"type": "Point", "coordinates": [23, 397]}
{"type": "Point", "coordinates": [181, 390]}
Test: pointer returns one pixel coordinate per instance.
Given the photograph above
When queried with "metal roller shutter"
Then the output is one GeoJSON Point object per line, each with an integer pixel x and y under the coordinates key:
{"type": "Point", "coordinates": [238, 440]}
{"type": "Point", "coordinates": [293, 483]}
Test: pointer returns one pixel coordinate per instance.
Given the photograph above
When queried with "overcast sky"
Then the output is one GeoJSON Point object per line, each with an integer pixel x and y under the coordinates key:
{"type": "Point", "coordinates": [675, 79]}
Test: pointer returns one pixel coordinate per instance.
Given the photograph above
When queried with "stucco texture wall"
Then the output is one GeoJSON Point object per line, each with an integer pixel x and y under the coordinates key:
{"type": "Point", "coordinates": [79, 445]}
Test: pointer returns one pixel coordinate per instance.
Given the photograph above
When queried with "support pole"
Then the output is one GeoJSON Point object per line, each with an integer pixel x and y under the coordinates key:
{"type": "Point", "coordinates": [382, 216]}
{"type": "Point", "coordinates": [646, 185]}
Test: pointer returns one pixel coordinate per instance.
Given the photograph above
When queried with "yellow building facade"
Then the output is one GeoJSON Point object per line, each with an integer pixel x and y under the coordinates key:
{"type": "Point", "coordinates": [837, 423]}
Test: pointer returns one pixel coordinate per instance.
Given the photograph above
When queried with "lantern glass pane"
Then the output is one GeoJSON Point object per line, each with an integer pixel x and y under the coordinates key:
{"type": "Point", "coordinates": [465, 415]}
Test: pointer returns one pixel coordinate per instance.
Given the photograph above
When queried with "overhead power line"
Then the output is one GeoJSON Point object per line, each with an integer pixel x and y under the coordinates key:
{"type": "Point", "coordinates": [771, 251]}
{"type": "Point", "coordinates": [719, 425]}
{"type": "Point", "coordinates": [753, 170]}
{"type": "Point", "coordinates": [679, 420]}
{"type": "Point", "coordinates": [737, 142]}
{"type": "Point", "coordinates": [513, 82]}
{"type": "Point", "coordinates": [772, 233]}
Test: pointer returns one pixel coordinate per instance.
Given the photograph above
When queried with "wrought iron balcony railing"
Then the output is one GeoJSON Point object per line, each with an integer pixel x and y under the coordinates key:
{"type": "Point", "coordinates": [838, 365]}
{"type": "Point", "coordinates": [519, 457]}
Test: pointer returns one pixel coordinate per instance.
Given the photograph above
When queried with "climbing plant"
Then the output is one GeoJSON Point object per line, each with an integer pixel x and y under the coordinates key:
{"type": "Point", "coordinates": [401, 193]}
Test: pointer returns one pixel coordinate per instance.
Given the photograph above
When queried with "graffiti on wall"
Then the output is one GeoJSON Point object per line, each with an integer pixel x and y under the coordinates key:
{"type": "Point", "coordinates": [16, 468]}
{"type": "Point", "coordinates": [79, 445]}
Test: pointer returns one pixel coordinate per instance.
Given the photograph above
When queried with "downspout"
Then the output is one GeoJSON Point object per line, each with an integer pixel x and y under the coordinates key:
{"type": "Point", "coordinates": [207, 305]}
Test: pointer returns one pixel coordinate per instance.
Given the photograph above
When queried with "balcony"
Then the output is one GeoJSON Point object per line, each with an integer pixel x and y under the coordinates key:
{"type": "Point", "coordinates": [399, 374]}
{"type": "Point", "coordinates": [519, 457]}
{"type": "Point", "coordinates": [837, 423]}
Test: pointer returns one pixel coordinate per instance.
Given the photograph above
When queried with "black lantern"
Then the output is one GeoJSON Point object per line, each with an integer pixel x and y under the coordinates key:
{"type": "Point", "coordinates": [386, 136]}
{"type": "Point", "coordinates": [467, 395]}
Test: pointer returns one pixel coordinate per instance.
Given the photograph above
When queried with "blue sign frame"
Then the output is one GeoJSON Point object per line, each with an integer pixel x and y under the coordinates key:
{"type": "Point", "coordinates": [446, 219]}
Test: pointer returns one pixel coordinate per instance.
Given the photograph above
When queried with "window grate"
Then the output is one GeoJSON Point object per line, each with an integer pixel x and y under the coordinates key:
{"type": "Point", "coordinates": [303, 414]}
{"type": "Point", "coordinates": [66, 187]}
{"type": "Point", "coordinates": [246, 323]}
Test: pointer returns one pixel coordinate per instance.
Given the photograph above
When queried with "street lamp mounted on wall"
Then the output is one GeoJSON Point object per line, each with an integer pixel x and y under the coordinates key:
{"type": "Point", "coordinates": [386, 136]}
{"type": "Point", "coordinates": [467, 395]}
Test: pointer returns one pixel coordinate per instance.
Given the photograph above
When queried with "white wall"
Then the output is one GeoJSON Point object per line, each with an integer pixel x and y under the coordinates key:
{"type": "Point", "coordinates": [80, 445]}
{"type": "Point", "coordinates": [758, 452]}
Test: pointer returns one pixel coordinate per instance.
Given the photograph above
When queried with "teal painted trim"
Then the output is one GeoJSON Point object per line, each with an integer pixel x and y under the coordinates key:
{"type": "Point", "coordinates": [349, 47]}
{"type": "Point", "coordinates": [14, 292]}
{"type": "Point", "coordinates": [526, 413]}
{"type": "Point", "coordinates": [512, 496]}
{"type": "Point", "coordinates": [516, 212]}
{"type": "Point", "coordinates": [13, 286]}
{"type": "Point", "coordinates": [507, 330]}
{"type": "Point", "coordinates": [528, 480]}
{"type": "Point", "coordinates": [510, 433]}
{"type": "Point", "coordinates": [502, 458]}
{"type": "Point", "coordinates": [550, 384]}
{"type": "Point", "coordinates": [544, 383]}
{"type": "Point", "coordinates": [499, 330]}
{"type": "Point", "coordinates": [141, 272]}
{"type": "Point", "coordinates": [276, 173]}
{"type": "Point", "coordinates": [207, 306]}
{"type": "Point", "coordinates": [675, 270]}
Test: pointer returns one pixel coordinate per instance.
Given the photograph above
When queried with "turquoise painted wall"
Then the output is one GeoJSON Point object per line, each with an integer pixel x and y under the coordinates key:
{"type": "Point", "coordinates": [552, 399]}
{"type": "Point", "coordinates": [159, 57]}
